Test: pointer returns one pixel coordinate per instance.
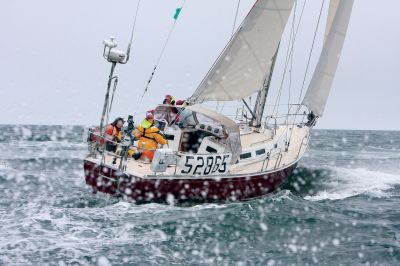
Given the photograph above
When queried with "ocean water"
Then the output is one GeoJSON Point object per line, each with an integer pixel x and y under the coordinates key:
{"type": "Point", "coordinates": [340, 207]}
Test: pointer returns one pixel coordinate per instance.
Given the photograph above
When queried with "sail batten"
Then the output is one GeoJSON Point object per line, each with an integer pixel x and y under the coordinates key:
{"type": "Point", "coordinates": [322, 79]}
{"type": "Point", "coordinates": [242, 66]}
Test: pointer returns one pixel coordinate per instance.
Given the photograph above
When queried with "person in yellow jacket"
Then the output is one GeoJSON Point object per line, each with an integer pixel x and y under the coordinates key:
{"type": "Point", "coordinates": [149, 137]}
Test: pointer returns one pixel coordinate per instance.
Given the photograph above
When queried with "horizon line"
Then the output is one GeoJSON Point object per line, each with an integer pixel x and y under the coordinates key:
{"type": "Point", "coordinates": [84, 125]}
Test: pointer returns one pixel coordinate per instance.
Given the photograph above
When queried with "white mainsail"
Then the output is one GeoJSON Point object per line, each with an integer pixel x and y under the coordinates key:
{"type": "Point", "coordinates": [321, 82]}
{"type": "Point", "coordinates": [333, 5]}
{"type": "Point", "coordinates": [241, 68]}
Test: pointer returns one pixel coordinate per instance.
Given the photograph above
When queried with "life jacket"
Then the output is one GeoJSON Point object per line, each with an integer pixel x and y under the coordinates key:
{"type": "Point", "coordinates": [114, 132]}
{"type": "Point", "coordinates": [110, 130]}
{"type": "Point", "coordinates": [149, 137]}
{"type": "Point", "coordinates": [146, 123]}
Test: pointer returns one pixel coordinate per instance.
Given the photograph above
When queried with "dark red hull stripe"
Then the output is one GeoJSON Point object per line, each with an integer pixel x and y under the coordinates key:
{"type": "Point", "coordinates": [110, 181]}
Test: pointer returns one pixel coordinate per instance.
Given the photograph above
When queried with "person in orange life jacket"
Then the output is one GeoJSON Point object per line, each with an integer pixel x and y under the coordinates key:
{"type": "Point", "coordinates": [149, 137]}
{"type": "Point", "coordinates": [113, 134]}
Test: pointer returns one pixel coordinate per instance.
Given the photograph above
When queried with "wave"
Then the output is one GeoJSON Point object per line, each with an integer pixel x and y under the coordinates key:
{"type": "Point", "coordinates": [154, 208]}
{"type": "Point", "coordinates": [343, 183]}
{"type": "Point", "coordinates": [282, 195]}
{"type": "Point", "coordinates": [41, 133]}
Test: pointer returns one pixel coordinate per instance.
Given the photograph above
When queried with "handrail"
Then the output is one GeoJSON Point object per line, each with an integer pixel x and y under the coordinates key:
{"type": "Point", "coordinates": [278, 159]}
{"type": "Point", "coordinates": [268, 158]}
{"type": "Point", "coordinates": [302, 143]}
{"type": "Point", "coordinates": [120, 153]}
{"type": "Point", "coordinates": [103, 137]}
{"type": "Point", "coordinates": [118, 143]}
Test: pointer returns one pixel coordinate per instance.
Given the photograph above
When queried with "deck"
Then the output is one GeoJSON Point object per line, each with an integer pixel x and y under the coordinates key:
{"type": "Point", "coordinates": [279, 158]}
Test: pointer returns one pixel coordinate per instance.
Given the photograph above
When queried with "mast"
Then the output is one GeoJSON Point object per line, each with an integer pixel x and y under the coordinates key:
{"type": "Point", "coordinates": [106, 100]}
{"type": "Point", "coordinates": [114, 56]}
{"type": "Point", "coordinates": [262, 96]}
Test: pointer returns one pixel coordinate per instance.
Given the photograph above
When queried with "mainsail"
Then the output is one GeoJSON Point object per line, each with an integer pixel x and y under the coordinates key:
{"type": "Point", "coordinates": [246, 61]}
{"type": "Point", "coordinates": [321, 82]}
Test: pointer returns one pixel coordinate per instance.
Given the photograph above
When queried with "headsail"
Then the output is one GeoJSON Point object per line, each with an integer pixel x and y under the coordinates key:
{"type": "Point", "coordinates": [246, 61]}
{"type": "Point", "coordinates": [321, 82]}
{"type": "Point", "coordinates": [333, 6]}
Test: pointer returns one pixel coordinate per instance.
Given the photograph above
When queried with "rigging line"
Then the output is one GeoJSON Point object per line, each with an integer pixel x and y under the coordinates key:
{"type": "Point", "coordinates": [290, 106]}
{"type": "Point", "coordinates": [133, 30]}
{"type": "Point", "coordinates": [112, 96]}
{"type": "Point", "coordinates": [234, 21]}
{"type": "Point", "coordinates": [308, 63]}
{"type": "Point", "coordinates": [158, 61]}
{"type": "Point", "coordinates": [287, 61]}
{"type": "Point", "coordinates": [134, 21]}
{"type": "Point", "coordinates": [311, 50]}
{"type": "Point", "coordinates": [233, 32]}
{"type": "Point", "coordinates": [277, 99]}
{"type": "Point", "coordinates": [290, 71]}
{"type": "Point", "coordinates": [288, 53]}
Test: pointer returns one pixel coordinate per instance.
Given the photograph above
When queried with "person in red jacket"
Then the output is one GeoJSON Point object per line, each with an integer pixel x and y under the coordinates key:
{"type": "Point", "coordinates": [169, 100]}
{"type": "Point", "coordinates": [113, 134]}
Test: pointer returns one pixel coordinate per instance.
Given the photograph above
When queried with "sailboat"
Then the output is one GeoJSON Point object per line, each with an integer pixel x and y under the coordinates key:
{"type": "Point", "coordinates": [217, 156]}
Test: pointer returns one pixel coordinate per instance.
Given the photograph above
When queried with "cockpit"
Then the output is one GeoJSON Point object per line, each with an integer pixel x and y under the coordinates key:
{"type": "Point", "coordinates": [197, 130]}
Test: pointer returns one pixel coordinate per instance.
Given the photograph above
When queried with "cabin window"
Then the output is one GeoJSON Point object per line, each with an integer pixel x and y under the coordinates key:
{"type": "Point", "coordinates": [259, 152]}
{"type": "Point", "coordinates": [160, 124]}
{"type": "Point", "coordinates": [211, 149]}
{"type": "Point", "coordinates": [245, 155]}
{"type": "Point", "coordinates": [169, 137]}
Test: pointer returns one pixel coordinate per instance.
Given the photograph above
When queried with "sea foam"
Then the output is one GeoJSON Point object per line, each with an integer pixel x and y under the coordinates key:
{"type": "Point", "coordinates": [346, 183]}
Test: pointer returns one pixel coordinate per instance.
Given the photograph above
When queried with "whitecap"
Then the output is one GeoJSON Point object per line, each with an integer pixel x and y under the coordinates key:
{"type": "Point", "coordinates": [346, 183]}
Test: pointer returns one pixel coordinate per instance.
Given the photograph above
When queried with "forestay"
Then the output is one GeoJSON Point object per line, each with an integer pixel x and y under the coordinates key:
{"type": "Point", "coordinates": [242, 66]}
{"type": "Point", "coordinates": [321, 82]}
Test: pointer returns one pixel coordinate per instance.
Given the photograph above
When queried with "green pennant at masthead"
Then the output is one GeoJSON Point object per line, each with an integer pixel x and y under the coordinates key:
{"type": "Point", "coordinates": [177, 12]}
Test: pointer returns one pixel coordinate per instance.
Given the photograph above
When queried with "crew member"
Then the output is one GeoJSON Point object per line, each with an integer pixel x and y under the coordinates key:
{"type": "Point", "coordinates": [113, 134]}
{"type": "Point", "coordinates": [149, 137]}
{"type": "Point", "coordinates": [169, 100]}
{"type": "Point", "coordinates": [311, 119]}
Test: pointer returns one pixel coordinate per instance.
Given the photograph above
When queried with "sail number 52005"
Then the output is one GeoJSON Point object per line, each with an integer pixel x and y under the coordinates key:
{"type": "Point", "coordinates": [204, 164]}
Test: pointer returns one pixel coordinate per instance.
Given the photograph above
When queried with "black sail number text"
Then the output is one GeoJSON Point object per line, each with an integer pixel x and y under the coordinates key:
{"type": "Point", "coordinates": [204, 164]}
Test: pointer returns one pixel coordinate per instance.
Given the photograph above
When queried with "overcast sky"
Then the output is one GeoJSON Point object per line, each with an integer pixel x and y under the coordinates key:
{"type": "Point", "coordinates": [52, 70]}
